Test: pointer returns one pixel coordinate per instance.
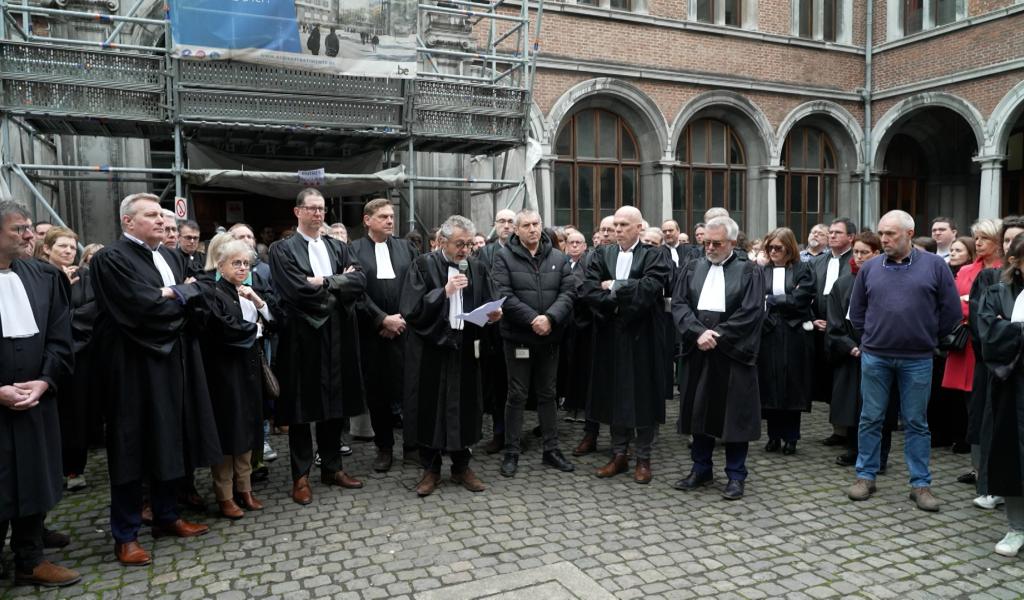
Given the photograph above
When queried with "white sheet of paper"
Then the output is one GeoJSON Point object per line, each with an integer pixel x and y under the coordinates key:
{"type": "Point", "coordinates": [479, 315]}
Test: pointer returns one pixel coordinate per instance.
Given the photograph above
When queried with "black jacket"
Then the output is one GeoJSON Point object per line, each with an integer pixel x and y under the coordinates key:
{"type": "Point", "coordinates": [536, 285]}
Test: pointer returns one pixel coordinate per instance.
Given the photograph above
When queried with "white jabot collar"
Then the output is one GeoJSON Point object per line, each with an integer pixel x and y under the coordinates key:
{"type": "Point", "coordinates": [831, 274]}
{"type": "Point", "coordinates": [712, 295]}
{"type": "Point", "coordinates": [779, 281]}
{"type": "Point", "coordinates": [454, 302]}
{"type": "Point", "coordinates": [16, 315]}
{"type": "Point", "coordinates": [382, 254]}
{"type": "Point", "coordinates": [1018, 309]}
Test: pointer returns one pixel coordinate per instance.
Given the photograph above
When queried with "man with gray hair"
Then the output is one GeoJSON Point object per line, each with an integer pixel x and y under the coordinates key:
{"type": "Point", "coordinates": [718, 307]}
{"type": "Point", "coordinates": [535, 279]}
{"type": "Point", "coordinates": [170, 229]}
{"type": "Point", "coordinates": [159, 415]}
{"type": "Point", "coordinates": [903, 303]}
{"type": "Point", "coordinates": [443, 406]}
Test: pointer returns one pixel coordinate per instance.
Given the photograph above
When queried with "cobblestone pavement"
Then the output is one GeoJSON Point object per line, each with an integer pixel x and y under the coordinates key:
{"type": "Point", "coordinates": [544, 534]}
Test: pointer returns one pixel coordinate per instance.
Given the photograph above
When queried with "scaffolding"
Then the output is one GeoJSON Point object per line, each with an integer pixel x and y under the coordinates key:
{"type": "Point", "coordinates": [471, 95]}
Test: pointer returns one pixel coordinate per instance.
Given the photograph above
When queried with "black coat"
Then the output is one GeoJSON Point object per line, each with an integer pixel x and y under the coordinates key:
{"type": "Point", "coordinates": [627, 383]}
{"type": "Point", "coordinates": [443, 407]}
{"type": "Point", "coordinates": [820, 266]}
{"type": "Point", "coordinates": [578, 343]}
{"type": "Point", "coordinates": [31, 478]}
{"type": "Point", "coordinates": [840, 339]}
{"type": "Point", "coordinates": [978, 397]}
{"type": "Point", "coordinates": [541, 284]}
{"type": "Point", "coordinates": [1001, 471]}
{"type": "Point", "coordinates": [318, 349]}
{"type": "Point", "coordinates": [718, 388]}
{"type": "Point", "coordinates": [78, 403]}
{"type": "Point", "coordinates": [160, 421]}
{"type": "Point", "coordinates": [195, 263]}
{"type": "Point", "coordinates": [382, 358]}
{"type": "Point", "coordinates": [787, 349]}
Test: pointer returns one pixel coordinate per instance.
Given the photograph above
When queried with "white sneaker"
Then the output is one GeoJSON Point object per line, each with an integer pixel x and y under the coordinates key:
{"type": "Point", "coordinates": [268, 453]}
{"type": "Point", "coordinates": [1010, 544]}
{"type": "Point", "coordinates": [988, 502]}
{"type": "Point", "coordinates": [75, 482]}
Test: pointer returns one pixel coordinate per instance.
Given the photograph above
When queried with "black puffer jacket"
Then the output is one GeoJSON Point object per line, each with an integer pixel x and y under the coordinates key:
{"type": "Point", "coordinates": [533, 285]}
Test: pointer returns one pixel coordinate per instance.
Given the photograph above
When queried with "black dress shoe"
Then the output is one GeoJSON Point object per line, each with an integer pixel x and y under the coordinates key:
{"type": "Point", "coordinates": [789, 448]}
{"type": "Point", "coordinates": [54, 539]}
{"type": "Point", "coordinates": [773, 446]}
{"type": "Point", "coordinates": [834, 440]}
{"type": "Point", "coordinates": [554, 458]}
{"type": "Point", "coordinates": [510, 465]}
{"type": "Point", "coordinates": [693, 481]}
{"type": "Point", "coordinates": [969, 477]}
{"type": "Point", "coordinates": [733, 490]}
{"type": "Point", "coordinates": [961, 448]}
{"type": "Point", "coordinates": [846, 460]}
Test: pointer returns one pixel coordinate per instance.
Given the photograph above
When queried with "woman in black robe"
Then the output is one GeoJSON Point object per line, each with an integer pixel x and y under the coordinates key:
{"type": "Point", "coordinates": [787, 345]}
{"type": "Point", "coordinates": [1001, 327]}
{"type": "Point", "coordinates": [230, 340]}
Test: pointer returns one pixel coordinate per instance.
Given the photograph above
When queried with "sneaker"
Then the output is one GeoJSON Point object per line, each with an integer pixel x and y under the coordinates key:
{"type": "Point", "coordinates": [74, 482]}
{"type": "Point", "coordinates": [1011, 543]}
{"type": "Point", "coordinates": [861, 489]}
{"type": "Point", "coordinates": [346, 450]}
{"type": "Point", "coordinates": [988, 502]}
{"type": "Point", "coordinates": [269, 454]}
{"type": "Point", "coordinates": [925, 500]}
{"type": "Point", "coordinates": [316, 459]}
{"type": "Point", "coordinates": [970, 478]}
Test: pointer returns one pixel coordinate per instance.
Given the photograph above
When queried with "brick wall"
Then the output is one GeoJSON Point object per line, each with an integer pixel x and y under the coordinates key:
{"type": "Point", "coordinates": [983, 93]}
{"type": "Point", "coordinates": [980, 7]}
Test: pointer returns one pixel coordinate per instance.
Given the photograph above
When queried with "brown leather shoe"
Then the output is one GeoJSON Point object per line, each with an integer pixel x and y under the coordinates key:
{"type": "Point", "coordinates": [469, 480]}
{"type": "Point", "coordinates": [385, 458]}
{"type": "Point", "coordinates": [180, 528]}
{"type": "Point", "coordinates": [301, 492]}
{"type": "Point", "coordinates": [587, 445]}
{"type": "Point", "coordinates": [428, 483]}
{"type": "Point", "coordinates": [496, 445]}
{"type": "Point", "coordinates": [618, 464]}
{"type": "Point", "coordinates": [643, 471]}
{"type": "Point", "coordinates": [341, 479]}
{"type": "Point", "coordinates": [247, 501]}
{"type": "Point", "coordinates": [47, 574]}
{"type": "Point", "coordinates": [131, 554]}
{"type": "Point", "coordinates": [229, 509]}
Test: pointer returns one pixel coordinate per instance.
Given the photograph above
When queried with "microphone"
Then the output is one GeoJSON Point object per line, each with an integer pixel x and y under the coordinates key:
{"type": "Point", "coordinates": [463, 266]}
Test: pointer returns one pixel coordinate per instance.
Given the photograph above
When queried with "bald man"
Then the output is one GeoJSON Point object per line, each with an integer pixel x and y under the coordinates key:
{"type": "Point", "coordinates": [624, 288]}
{"type": "Point", "coordinates": [493, 374]}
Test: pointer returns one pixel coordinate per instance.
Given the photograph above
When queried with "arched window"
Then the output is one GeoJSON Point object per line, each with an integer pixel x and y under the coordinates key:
{"type": "Point", "coordinates": [711, 172]}
{"type": "Point", "coordinates": [597, 170]}
{"type": "Point", "coordinates": [903, 182]}
{"type": "Point", "coordinates": [806, 187]}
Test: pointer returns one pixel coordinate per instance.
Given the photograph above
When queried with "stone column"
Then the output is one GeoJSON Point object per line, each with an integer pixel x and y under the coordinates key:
{"type": "Point", "coordinates": [665, 184]}
{"type": "Point", "coordinates": [545, 174]}
{"type": "Point", "coordinates": [991, 185]}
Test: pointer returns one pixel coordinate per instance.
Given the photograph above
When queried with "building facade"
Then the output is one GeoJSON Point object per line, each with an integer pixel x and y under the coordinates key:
{"type": "Point", "coordinates": [786, 112]}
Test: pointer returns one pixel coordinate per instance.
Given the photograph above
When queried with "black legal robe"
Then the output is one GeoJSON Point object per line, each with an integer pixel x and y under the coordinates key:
{"type": "Point", "coordinates": [382, 358]}
{"type": "Point", "coordinates": [718, 389]}
{"type": "Point", "coordinates": [577, 344]}
{"type": "Point", "coordinates": [627, 374]}
{"type": "Point", "coordinates": [232, 362]}
{"type": "Point", "coordinates": [979, 390]}
{"type": "Point", "coordinates": [159, 418]}
{"type": "Point", "coordinates": [31, 479]}
{"type": "Point", "coordinates": [443, 407]}
{"type": "Point", "coordinates": [78, 402]}
{"type": "Point", "coordinates": [318, 348]}
{"type": "Point", "coordinates": [821, 370]}
{"type": "Point", "coordinates": [840, 338]}
{"type": "Point", "coordinates": [195, 263]}
{"type": "Point", "coordinates": [787, 349]}
{"type": "Point", "coordinates": [1001, 472]}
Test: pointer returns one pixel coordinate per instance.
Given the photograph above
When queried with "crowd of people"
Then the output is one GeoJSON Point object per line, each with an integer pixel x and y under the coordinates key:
{"type": "Point", "coordinates": [179, 359]}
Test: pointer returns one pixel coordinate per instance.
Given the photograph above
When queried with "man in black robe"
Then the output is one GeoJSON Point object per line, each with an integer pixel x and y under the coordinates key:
{"type": "Point", "coordinates": [828, 268]}
{"type": "Point", "coordinates": [718, 306]}
{"type": "Point", "coordinates": [624, 288]}
{"type": "Point", "coordinates": [188, 247]}
{"type": "Point", "coordinates": [318, 283]}
{"type": "Point", "coordinates": [160, 422]}
{"type": "Point", "coordinates": [493, 370]}
{"type": "Point", "coordinates": [443, 405]}
{"type": "Point", "coordinates": [35, 353]}
{"type": "Point", "coordinates": [385, 259]}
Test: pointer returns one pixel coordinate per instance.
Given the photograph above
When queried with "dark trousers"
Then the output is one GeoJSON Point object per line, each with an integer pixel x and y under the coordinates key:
{"type": "Point", "coordinates": [591, 427]}
{"type": "Point", "coordinates": [328, 444]}
{"type": "Point", "coordinates": [126, 507]}
{"type": "Point", "coordinates": [74, 459]}
{"type": "Point", "coordinates": [495, 384]}
{"type": "Point", "coordinates": [538, 373]}
{"type": "Point", "coordinates": [382, 419]}
{"type": "Point", "coordinates": [783, 424]}
{"type": "Point", "coordinates": [735, 456]}
{"type": "Point", "coordinates": [26, 540]}
{"type": "Point", "coordinates": [430, 459]}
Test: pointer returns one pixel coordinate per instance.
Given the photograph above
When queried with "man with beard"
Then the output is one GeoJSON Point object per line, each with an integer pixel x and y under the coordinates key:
{"type": "Point", "coordinates": [386, 260]}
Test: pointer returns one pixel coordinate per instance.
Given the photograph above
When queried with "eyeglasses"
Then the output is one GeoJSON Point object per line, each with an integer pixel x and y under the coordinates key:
{"type": "Point", "coordinates": [837, 233]}
{"type": "Point", "coordinates": [462, 245]}
{"type": "Point", "coordinates": [240, 264]}
{"type": "Point", "coordinates": [21, 229]}
{"type": "Point", "coordinates": [774, 248]}
{"type": "Point", "coordinates": [713, 243]}
{"type": "Point", "coordinates": [314, 209]}
{"type": "Point", "coordinates": [190, 238]}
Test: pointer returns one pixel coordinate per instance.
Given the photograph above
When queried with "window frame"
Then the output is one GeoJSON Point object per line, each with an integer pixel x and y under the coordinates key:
{"type": "Point", "coordinates": [801, 176]}
{"type": "Point", "coordinates": [685, 169]}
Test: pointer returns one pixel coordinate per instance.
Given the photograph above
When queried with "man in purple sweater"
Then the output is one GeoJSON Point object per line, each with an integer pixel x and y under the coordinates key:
{"type": "Point", "coordinates": [903, 302]}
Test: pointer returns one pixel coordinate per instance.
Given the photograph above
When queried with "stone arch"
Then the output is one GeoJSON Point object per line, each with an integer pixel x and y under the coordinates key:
{"type": "Point", "coordinates": [1003, 119]}
{"type": "Point", "coordinates": [746, 118]}
{"type": "Point", "coordinates": [841, 126]}
{"type": "Point", "coordinates": [887, 124]}
{"type": "Point", "coordinates": [536, 125]}
{"type": "Point", "coordinates": [637, 108]}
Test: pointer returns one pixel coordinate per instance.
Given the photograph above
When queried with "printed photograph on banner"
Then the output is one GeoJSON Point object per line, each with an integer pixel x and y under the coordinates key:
{"type": "Point", "coordinates": [350, 37]}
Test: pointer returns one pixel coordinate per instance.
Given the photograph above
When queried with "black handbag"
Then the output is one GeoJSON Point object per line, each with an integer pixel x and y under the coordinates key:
{"type": "Point", "coordinates": [957, 339]}
{"type": "Point", "coordinates": [271, 387]}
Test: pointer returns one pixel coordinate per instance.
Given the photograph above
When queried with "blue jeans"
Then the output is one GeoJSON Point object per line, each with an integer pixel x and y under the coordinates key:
{"type": "Point", "coordinates": [914, 378]}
